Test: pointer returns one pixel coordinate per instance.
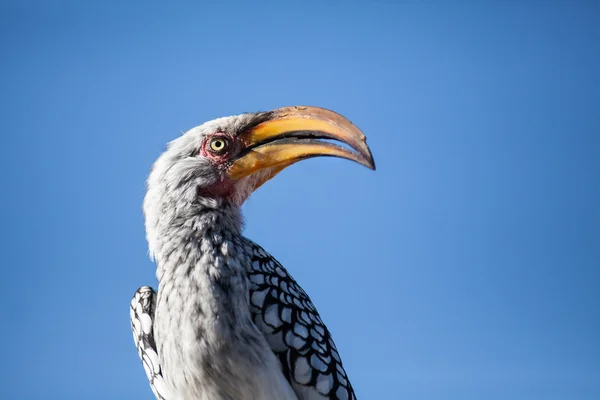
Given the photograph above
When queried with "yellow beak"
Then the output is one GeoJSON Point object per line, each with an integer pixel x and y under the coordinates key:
{"type": "Point", "coordinates": [292, 134]}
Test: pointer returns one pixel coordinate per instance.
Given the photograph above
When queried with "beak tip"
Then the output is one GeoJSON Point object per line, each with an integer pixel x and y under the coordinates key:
{"type": "Point", "coordinates": [371, 163]}
{"type": "Point", "coordinates": [368, 157]}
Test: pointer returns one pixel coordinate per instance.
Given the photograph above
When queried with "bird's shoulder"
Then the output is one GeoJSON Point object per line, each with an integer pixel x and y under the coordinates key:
{"type": "Point", "coordinates": [284, 313]}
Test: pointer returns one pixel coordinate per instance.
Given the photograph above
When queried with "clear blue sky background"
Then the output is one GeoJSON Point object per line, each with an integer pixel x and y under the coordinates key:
{"type": "Point", "coordinates": [466, 267]}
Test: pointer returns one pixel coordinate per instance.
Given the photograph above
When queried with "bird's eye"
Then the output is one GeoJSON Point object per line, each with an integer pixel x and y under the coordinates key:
{"type": "Point", "coordinates": [218, 145]}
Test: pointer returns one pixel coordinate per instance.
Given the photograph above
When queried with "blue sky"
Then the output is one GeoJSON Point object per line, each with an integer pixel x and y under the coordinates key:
{"type": "Point", "coordinates": [465, 267]}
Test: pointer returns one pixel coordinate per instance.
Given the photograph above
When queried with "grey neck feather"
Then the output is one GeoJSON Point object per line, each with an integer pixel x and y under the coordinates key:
{"type": "Point", "coordinates": [200, 257]}
{"type": "Point", "coordinates": [183, 231]}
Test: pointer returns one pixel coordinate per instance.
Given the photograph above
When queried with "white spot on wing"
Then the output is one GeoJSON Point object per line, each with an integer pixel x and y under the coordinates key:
{"type": "Point", "coordinates": [320, 329]}
{"type": "Point", "coordinates": [148, 366]}
{"type": "Point", "coordinates": [284, 286]}
{"type": "Point", "coordinates": [317, 363]}
{"type": "Point", "coordinates": [304, 317]}
{"type": "Point", "coordinates": [315, 334]}
{"type": "Point", "coordinates": [286, 315]}
{"type": "Point", "coordinates": [302, 372]}
{"type": "Point", "coordinates": [146, 322]}
{"type": "Point", "coordinates": [324, 383]}
{"type": "Point", "coordinates": [154, 360]}
{"type": "Point", "coordinates": [258, 297]}
{"type": "Point", "coordinates": [272, 316]}
{"type": "Point", "coordinates": [339, 368]}
{"type": "Point", "coordinates": [294, 341]}
{"type": "Point", "coordinates": [137, 326]}
{"type": "Point", "coordinates": [295, 300]}
{"type": "Point", "coordinates": [300, 330]}
{"type": "Point", "coordinates": [293, 291]}
{"type": "Point", "coordinates": [326, 358]}
{"type": "Point", "coordinates": [342, 380]}
{"type": "Point", "coordinates": [341, 393]}
{"type": "Point", "coordinates": [335, 355]}
{"type": "Point", "coordinates": [319, 347]}
{"type": "Point", "coordinates": [258, 279]}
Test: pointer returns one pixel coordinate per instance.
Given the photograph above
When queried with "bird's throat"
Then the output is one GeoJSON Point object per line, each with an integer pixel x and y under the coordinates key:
{"type": "Point", "coordinates": [203, 288]}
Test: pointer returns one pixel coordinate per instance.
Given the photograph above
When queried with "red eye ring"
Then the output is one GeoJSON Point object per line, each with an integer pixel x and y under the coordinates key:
{"type": "Point", "coordinates": [218, 145]}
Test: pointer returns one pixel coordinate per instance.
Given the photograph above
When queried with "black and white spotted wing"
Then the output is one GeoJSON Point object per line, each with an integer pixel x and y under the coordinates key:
{"type": "Point", "coordinates": [295, 332]}
{"type": "Point", "coordinates": [142, 321]}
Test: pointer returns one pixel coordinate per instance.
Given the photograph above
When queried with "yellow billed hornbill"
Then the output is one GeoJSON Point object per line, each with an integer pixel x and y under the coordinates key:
{"type": "Point", "coordinates": [228, 321]}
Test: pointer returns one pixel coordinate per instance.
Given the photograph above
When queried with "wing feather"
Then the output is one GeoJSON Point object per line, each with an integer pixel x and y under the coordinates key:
{"type": "Point", "coordinates": [287, 317]}
{"type": "Point", "coordinates": [142, 325]}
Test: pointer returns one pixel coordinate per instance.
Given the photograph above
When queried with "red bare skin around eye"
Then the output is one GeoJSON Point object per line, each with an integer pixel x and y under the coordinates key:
{"type": "Point", "coordinates": [218, 158]}
{"type": "Point", "coordinates": [223, 188]}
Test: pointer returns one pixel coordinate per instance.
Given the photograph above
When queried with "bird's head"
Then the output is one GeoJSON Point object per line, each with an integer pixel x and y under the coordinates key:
{"type": "Point", "coordinates": [223, 161]}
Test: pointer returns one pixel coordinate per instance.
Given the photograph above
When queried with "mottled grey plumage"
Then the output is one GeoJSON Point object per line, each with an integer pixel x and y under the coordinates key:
{"type": "Point", "coordinates": [228, 322]}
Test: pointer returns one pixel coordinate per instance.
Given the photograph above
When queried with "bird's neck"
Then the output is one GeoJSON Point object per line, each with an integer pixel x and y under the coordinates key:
{"type": "Point", "coordinates": [185, 236]}
{"type": "Point", "coordinates": [202, 305]}
{"type": "Point", "coordinates": [201, 261]}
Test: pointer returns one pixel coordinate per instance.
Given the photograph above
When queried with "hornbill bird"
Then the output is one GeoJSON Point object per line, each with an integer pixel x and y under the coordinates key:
{"type": "Point", "coordinates": [228, 321]}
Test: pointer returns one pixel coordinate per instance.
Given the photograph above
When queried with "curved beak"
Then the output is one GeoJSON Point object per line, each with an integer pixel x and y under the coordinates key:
{"type": "Point", "coordinates": [291, 134]}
